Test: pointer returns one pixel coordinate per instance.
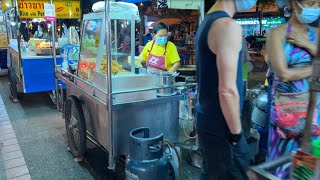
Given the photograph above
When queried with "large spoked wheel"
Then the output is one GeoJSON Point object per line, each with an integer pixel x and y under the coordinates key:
{"type": "Point", "coordinates": [13, 85]}
{"type": "Point", "coordinates": [75, 127]}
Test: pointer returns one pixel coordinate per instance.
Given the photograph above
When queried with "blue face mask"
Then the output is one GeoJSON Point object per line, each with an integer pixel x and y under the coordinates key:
{"type": "Point", "coordinates": [244, 5]}
{"type": "Point", "coordinates": [162, 40]}
{"type": "Point", "coordinates": [308, 15]}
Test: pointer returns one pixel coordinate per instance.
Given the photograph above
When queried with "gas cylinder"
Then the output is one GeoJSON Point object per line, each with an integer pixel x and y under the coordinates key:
{"type": "Point", "coordinates": [146, 160]}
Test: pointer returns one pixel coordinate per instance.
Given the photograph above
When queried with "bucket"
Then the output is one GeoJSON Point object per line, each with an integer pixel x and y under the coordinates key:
{"type": "Point", "coordinates": [165, 79]}
{"type": "Point", "coordinates": [316, 148]}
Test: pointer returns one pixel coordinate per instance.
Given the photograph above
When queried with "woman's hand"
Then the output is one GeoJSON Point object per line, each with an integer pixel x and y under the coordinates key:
{"type": "Point", "coordinates": [298, 39]}
{"type": "Point", "coordinates": [302, 40]}
{"type": "Point", "coordinates": [175, 67]}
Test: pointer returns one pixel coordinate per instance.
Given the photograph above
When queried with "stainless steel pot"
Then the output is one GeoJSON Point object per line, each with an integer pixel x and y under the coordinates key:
{"type": "Point", "coordinates": [165, 79]}
{"type": "Point", "coordinates": [259, 113]}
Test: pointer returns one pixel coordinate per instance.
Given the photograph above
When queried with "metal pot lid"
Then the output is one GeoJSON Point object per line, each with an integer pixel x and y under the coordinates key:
{"type": "Point", "coordinates": [258, 117]}
{"type": "Point", "coordinates": [262, 100]}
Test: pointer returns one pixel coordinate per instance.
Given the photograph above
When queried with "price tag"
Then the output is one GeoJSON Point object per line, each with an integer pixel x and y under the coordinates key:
{"type": "Point", "coordinates": [49, 12]}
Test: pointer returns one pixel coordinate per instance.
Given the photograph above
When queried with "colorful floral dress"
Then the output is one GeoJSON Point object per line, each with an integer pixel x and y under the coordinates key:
{"type": "Point", "coordinates": [279, 146]}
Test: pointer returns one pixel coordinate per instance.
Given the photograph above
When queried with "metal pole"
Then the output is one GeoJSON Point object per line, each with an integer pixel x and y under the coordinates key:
{"type": "Point", "coordinates": [115, 38]}
{"type": "Point", "coordinates": [109, 85]}
{"type": "Point", "coordinates": [133, 45]}
{"type": "Point", "coordinates": [201, 8]}
{"type": "Point", "coordinates": [18, 36]}
{"type": "Point", "coordinates": [54, 55]}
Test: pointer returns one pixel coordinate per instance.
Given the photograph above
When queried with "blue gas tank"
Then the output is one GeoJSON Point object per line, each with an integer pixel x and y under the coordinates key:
{"type": "Point", "coordinates": [146, 160]}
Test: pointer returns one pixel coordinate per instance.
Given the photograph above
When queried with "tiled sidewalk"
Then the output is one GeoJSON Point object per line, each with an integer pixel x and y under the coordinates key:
{"type": "Point", "coordinates": [12, 158]}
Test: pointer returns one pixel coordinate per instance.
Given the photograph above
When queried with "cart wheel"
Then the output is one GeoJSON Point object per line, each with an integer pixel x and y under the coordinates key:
{"type": "Point", "coordinates": [172, 174]}
{"type": "Point", "coordinates": [75, 126]}
{"type": "Point", "coordinates": [13, 85]}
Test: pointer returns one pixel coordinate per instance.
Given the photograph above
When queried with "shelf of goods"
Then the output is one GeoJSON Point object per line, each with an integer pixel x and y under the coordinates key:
{"type": "Point", "coordinates": [187, 54]}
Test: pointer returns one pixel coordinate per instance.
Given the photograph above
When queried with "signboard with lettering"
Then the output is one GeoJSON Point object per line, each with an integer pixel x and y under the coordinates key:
{"type": "Point", "coordinates": [255, 21]}
{"type": "Point", "coordinates": [6, 5]}
{"type": "Point", "coordinates": [49, 12]}
{"type": "Point", "coordinates": [64, 9]}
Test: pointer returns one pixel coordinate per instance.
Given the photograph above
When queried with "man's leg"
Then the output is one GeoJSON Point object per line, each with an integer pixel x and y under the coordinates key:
{"type": "Point", "coordinates": [241, 159]}
{"type": "Point", "coordinates": [216, 155]}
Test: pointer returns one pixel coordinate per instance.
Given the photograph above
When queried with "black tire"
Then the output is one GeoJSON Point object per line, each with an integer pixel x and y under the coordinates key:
{"type": "Point", "coordinates": [75, 126]}
{"type": "Point", "coordinates": [13, 84]}
{"type": "Point", "coordinates": [172, 175]}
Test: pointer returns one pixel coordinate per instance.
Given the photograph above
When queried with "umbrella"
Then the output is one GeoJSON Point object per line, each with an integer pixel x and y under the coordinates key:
{"type": "Point", "coordinates": [168, 21]}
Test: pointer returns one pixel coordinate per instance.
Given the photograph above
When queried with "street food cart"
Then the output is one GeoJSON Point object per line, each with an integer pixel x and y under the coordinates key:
{"type": "Point", "coordinates": [32, 65]}
{"type": "Point", "coordinates": [105, 98]}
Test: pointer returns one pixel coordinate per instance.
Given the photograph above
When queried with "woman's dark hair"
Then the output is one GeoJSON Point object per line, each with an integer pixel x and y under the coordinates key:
{"type": "Point", "coordinates": [44, 27]}
{"type": "Point", "coordinates": [158, 27]}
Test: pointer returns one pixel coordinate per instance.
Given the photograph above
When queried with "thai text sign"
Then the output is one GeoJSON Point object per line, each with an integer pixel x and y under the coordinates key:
{"type": "Point", "coordinates": [65, 9]}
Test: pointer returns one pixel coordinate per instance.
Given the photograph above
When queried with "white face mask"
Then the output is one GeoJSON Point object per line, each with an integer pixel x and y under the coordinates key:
{"type": "Point", "coordinates": [244, 5]}
{"type": "Point", "coordinates": [308, 15]}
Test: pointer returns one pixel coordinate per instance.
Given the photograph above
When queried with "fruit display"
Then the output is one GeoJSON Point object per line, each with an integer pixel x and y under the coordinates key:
{"type": "Point", "coordinates": [43, 45]}
{"type": "Point", "coordinates": [116, 68]}
{"type": "Point", "coordinates": [33, 42]}
{"type": "Point", "coordinates": [88, 66]}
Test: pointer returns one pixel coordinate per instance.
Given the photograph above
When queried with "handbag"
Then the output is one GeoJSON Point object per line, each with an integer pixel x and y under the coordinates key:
{"type": "Point", "coordinates": [291, 109]}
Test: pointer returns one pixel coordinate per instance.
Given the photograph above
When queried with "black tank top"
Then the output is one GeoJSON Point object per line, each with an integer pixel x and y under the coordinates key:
{"type": "Point", "coordinates": [207, 74]}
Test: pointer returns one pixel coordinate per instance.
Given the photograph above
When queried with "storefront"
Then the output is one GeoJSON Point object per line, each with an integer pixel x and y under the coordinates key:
{"type": "Point", "coordinates": [251, 26]}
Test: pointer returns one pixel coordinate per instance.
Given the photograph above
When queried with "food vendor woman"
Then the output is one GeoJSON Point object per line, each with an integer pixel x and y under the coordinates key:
{"type": "Point", "coordinates": [42, 32]}
{"type": "Point", "coordinates": [161, 54]}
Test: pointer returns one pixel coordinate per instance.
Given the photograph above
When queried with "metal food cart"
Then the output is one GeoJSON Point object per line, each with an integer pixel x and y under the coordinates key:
{"type": "Point", "coordinates": [31, 70]}
{"type": "Point", "coordinates": [105, 98]}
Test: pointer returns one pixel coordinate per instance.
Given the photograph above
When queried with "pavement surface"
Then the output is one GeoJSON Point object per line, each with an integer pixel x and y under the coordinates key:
{"type": "Point", "coordinates": [41, 134]}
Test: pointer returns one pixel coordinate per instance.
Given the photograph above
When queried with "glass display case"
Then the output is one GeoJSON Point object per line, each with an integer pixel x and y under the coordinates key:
{"type": "Point", "coordinates": [89, 48]}
{"type": "Point", "coordinates": [92, 60]}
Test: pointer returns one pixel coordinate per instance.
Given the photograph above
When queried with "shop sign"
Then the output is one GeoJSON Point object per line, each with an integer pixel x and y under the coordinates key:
{"type": "Point", "coordinates": [264, 21]}
{"type": "Point", "coordinates": [6, 4]}
{"type": "Point", "coordinates": [35, 9]}
{"type": "Point", "coordinates": [49, 12]}
{"type": "Point", "coordinates": [3, 6]}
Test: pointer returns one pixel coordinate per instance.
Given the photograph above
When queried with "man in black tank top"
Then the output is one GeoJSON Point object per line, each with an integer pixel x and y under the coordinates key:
{"type": "Point", "coordinates": [220, 91]}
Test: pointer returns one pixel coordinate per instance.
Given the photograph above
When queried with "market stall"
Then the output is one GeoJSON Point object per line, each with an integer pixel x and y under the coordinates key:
{"type": "Point", "coordinates": [106, 96]}
{"type": "Point", "coordinates": [31, 67]}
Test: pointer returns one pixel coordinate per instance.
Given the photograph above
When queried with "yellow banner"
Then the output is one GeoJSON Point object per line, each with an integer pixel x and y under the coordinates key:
{"type": "Point", "coordinates": [6, 4]}
{"type": "Point", "coordinates": [35, 9]}
{"type": "Point", "coordinates": [3, 5]}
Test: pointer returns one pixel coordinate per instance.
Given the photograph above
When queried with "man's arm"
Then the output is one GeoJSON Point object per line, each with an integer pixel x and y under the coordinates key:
{"type": "Point", "coordinates": [225, 40]}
